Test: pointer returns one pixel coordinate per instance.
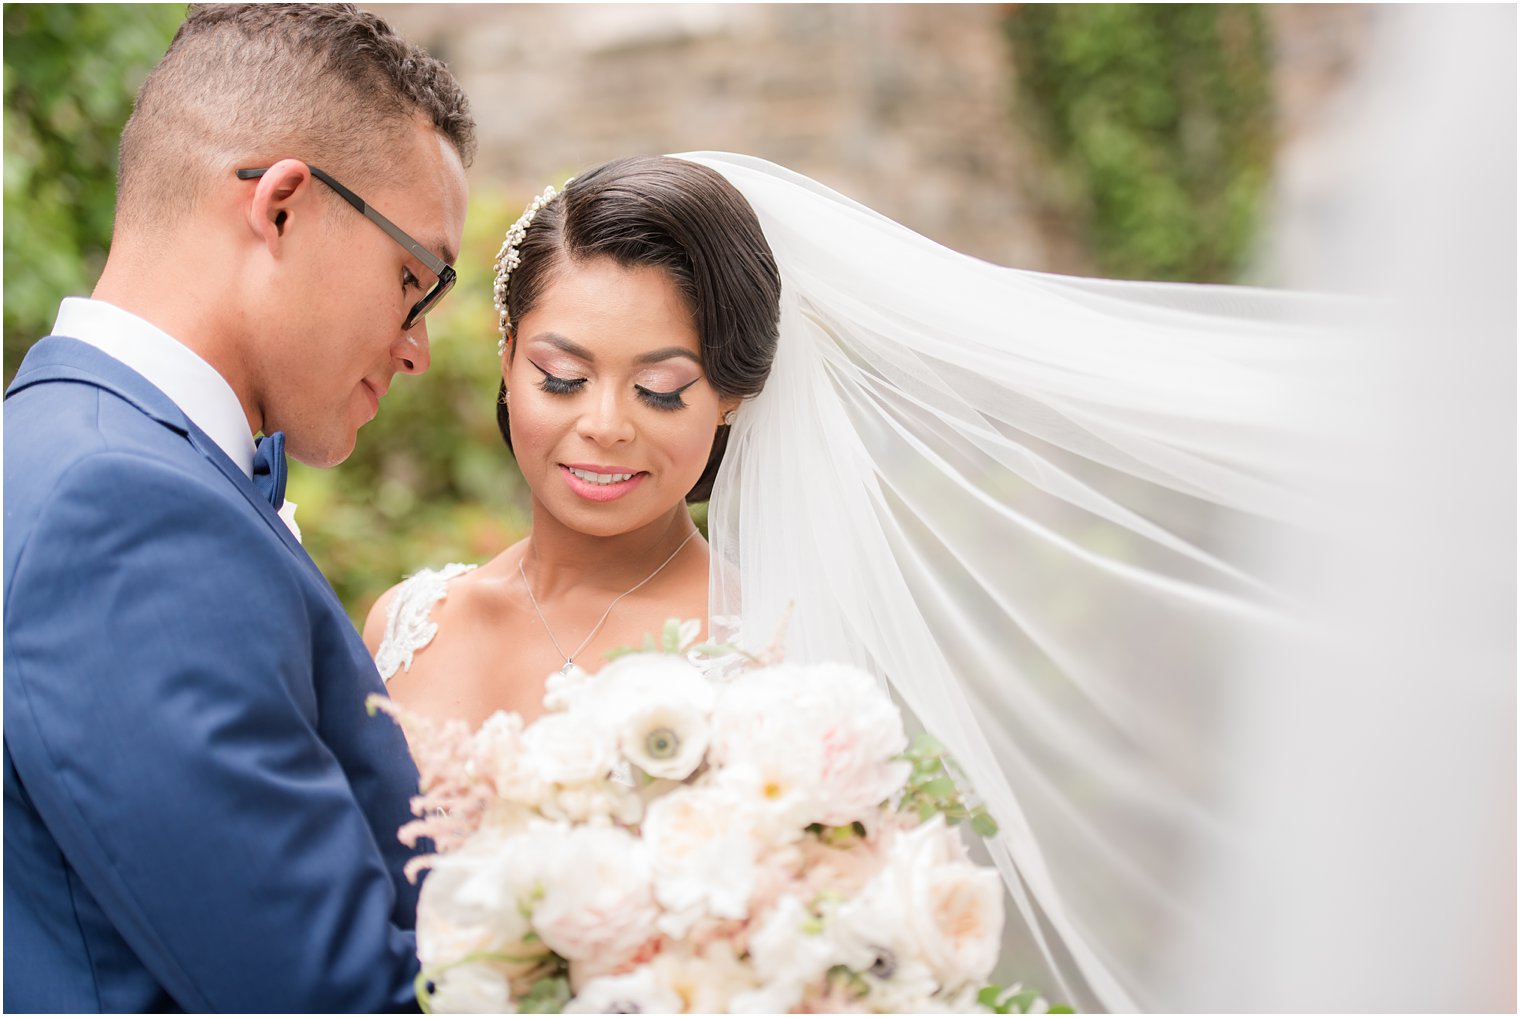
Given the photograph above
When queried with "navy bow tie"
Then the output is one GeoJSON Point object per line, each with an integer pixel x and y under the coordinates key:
{"type": "Point", "coordinates": [269, 468]}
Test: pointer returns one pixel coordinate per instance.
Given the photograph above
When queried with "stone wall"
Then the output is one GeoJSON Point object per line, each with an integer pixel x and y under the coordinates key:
{"type": "Point", "coordinates": [906, 108]}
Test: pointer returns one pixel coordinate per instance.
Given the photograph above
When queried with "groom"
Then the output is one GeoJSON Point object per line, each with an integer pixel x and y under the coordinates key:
{"type": "Point", "coordinates": [199, 815]}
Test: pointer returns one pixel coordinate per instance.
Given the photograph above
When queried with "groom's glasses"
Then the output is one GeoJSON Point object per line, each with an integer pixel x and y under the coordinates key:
{"type": "Point", "coordinates": [441, 269]}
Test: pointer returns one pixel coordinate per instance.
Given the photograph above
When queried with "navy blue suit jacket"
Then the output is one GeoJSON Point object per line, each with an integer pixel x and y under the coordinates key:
{"type": "Point", "coordinates": [199, 813]}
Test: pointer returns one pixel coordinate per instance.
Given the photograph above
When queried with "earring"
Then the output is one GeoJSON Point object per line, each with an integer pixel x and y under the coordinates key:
{"type": "Point", "coordinates": [730, 417]}
{"type": "Point", "coordinates": [506, 397]}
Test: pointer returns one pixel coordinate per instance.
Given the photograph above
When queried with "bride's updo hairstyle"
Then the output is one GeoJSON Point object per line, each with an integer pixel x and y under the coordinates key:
{"type": "Point", "coordinates": [687, 220]}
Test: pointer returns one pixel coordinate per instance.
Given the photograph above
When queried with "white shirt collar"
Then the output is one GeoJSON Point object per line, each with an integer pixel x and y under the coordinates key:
{"type": "Point", "coordinates": [173, 368]}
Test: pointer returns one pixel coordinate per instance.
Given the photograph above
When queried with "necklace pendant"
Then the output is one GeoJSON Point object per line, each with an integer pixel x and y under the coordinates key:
{"type": "Point", "coordinates": [569, 666]}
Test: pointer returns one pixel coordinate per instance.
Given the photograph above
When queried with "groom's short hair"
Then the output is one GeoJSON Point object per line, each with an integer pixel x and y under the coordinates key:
{"type": "Point", "coordinates": [325, 83]}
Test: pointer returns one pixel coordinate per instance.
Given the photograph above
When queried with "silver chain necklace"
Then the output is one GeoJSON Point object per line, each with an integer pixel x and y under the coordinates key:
{"type": "Point", "coordinates": [570, 657]}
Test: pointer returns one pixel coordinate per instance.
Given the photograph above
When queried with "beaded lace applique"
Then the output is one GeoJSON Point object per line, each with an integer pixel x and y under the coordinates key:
{"type": "Point", "coordinates": [408, 625]}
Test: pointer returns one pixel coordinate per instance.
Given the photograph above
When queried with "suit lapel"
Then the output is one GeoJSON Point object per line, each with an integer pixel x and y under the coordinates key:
{"type": "Point", "coordinates": [61, 359]}
{"type": "Point", "coordinates": [58, 358]}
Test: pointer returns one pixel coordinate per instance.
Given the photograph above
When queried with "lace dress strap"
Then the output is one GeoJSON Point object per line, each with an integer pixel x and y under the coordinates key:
{"type": "Point", "coordinates": [408, 622]}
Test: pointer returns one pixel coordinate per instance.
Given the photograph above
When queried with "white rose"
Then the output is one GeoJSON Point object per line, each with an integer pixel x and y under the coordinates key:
{"type": "Point", "coordinates": [791, 949]}
{"type": "Point", "coordinates": [597, 900]}
{"type": "Point", "coordinates": [469, 905]}
{"type": "Point", "coordinates": [861, 734]}
{"type": "Point", "coordinates": [471, 988]}
{"type": "Point", "coordinates": [706, 979]}
{"type": "Point", "coordinates": [563, 749]}
{"type": "Point", "coordinates": [638, 991]}
{"type": "Point", "coordinates": [821, 738]}
{"type": "Point", "coordinates": [704, 849]}
{"type": "Point", "coordinates": [951, 910]}
{"type": "Point", "coordinates": [639, 678]}
{"type": "Point", "coordinates": [499, 753]}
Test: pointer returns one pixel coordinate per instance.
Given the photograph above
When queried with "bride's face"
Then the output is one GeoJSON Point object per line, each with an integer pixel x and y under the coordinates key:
{"type": "Point", "coordinates": [612, 416]}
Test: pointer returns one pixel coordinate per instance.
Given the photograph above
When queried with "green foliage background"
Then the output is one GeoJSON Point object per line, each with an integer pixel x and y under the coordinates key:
{"type": "Point", "coordinates": [1155, 128]}
{"type": "Point", "coordinates": [1155, 122]}
{"type": "Point", "coordinates": [70, 74]}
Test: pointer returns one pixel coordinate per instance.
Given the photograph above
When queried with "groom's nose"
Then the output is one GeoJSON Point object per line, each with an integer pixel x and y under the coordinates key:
{"type": "Point", "coordinates": [412, 352]}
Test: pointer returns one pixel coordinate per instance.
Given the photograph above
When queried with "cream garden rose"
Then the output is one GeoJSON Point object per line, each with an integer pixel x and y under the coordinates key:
{"type": "Point", "coordinates": [705, 852]}
{"type": "Point", "coordinates": [820, 739]}
{"type": "Point", "coordinates": [596, 899]}
{"type": "Point", "coordinates": [953, 910]}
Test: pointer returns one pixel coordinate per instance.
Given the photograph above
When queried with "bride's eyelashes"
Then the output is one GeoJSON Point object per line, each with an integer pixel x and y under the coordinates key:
{"type": "Point", "coordinates": [665, 400]}
{"type": "Point", "coordinates": [668, 401]}
{"type": "Point", "coordinates": [557, 386]}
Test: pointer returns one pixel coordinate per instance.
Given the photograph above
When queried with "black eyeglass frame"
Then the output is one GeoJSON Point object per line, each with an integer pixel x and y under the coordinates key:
{"type": "Point", "coordinates": [440, 268]}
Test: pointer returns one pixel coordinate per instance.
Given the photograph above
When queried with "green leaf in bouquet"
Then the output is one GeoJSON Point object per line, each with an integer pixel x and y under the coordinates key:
{"type": "Point", "coordinates": [939, 787]}
{"type": "Point", "coordinates": [849, 981]}
{"type": "Point", "coordinates": [420, 986]}
{"type": "Point", "coordinates": [838, 836]}
{"type": "Point", "coordinates": [1015, 999]}
{"type": "Point", "coordinates": [983, 824]}
{"type": "Point", "coordinates": [925, 743]}
{"type": "Point", "coordinates": [1022, 1001]}
{"type": "Point", "coordinates": [670, 636]}
{"type": "Point", "coordinates": [547, 995]}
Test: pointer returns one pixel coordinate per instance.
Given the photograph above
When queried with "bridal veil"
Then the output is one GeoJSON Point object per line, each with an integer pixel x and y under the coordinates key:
{"type": "Point", "coordinates": [1052, 513]}
{"type": "Point", "coordinates": [1028, 502]}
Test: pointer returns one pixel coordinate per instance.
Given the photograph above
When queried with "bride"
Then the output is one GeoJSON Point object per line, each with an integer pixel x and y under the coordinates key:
{"type": "Point", "coordinates": [1042, 510]}
{"type": "Point", "coordinates": [637, 309]}
{"type": "Point", "coordinates": [1028, 503]}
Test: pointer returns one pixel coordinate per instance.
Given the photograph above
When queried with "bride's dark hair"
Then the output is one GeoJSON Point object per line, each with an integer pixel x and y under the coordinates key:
{"type": "Point", "coordinates": [689, 221]}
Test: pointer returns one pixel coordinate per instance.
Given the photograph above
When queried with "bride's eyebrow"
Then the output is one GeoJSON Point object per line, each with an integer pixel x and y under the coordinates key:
{"type": "Point", "coordinates": [668, 353]}
{"type": "Point", "coordinates": [564, 345]}
{"type": "Point", "coordinates": [575, 349]}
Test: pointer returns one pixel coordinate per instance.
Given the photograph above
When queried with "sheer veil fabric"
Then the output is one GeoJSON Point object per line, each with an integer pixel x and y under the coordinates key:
{"type": "Point", "coordinates": [1209, 590]}
{"type": "Point", "coordinates": [1035, 506]}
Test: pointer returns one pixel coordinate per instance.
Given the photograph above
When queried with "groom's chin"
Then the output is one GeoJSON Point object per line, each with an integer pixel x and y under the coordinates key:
{"type": "Point", "coordinates": [322, 451]}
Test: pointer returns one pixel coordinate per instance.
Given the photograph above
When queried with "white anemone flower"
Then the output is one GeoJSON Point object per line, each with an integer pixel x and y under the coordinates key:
{"type": "Point", "coordinates": [666, 740]}
{"type": "Point", "coordinates": [471, 988]}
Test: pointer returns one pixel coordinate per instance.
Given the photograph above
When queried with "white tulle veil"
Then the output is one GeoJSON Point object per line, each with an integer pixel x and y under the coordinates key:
{"type": "Point", "coordinates": [1032, 505]}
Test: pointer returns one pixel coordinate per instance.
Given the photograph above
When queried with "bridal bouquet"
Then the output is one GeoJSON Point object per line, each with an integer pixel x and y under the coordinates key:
{"type": "Point", "coordinates": [664, 842]}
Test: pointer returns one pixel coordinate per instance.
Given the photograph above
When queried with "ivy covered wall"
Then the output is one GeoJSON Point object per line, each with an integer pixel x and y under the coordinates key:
{"type": "Point", "coordinates": [1154, 124]}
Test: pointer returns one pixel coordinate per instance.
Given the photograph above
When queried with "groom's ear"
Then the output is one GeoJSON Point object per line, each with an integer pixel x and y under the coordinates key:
{"type": "Point", "coordinates": [284, 193]}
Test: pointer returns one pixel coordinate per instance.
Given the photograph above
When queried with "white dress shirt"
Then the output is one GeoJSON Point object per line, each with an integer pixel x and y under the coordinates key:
{"type": "Point", "coordinates": [173, 368]}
